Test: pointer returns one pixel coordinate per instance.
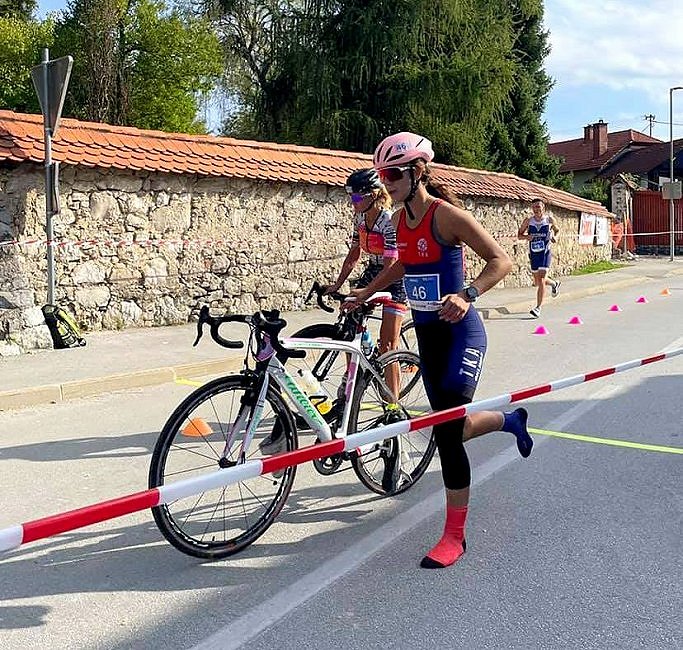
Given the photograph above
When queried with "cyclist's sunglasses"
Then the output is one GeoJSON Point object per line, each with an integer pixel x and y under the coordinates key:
{"type": "Point", "coordinates": [357, 197]}
{"type": "Point", "coordinates": [392, 174]}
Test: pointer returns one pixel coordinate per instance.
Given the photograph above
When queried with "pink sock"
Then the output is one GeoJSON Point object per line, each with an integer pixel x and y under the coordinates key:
{"type": "Point", "coordinates": [451, 546]}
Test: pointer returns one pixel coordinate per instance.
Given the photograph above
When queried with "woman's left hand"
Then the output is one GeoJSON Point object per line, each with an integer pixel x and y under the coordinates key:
{"type": "Point", "coordinates": [454, 308]}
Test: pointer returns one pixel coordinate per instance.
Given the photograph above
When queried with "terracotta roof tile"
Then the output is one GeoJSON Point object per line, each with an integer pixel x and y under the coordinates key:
{"type": "Point", "coordinates": [642, 160]}
{"type": "Point", "coordinates": [578, 154]}
{"type": "Point", "coordinates": [101, 145]}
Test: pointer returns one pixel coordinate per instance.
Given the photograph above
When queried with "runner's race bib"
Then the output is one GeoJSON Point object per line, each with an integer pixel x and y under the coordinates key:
{"type": "Point", "coordinates": [424, 292]}
{"type": "Point", "coordinates": [537, 245]}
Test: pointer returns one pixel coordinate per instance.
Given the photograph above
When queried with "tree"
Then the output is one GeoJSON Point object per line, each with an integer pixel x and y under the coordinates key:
{"type": "Point", "coordinates": [22, 42]}
{"type": "Point", "coordinates": [23, 9]}
{"type": "Point", "coordinates": [597, 190]}
{"type": "Point", "coordinates": [136, 63]}
{"type": "Point", "coordinates": [344, 74]}
{"type": "Point", "coordinates": [88, 31]}
{"type": "Point", "coordinates": [519, 139]}
{"type": "Point", "coordinates": [255, 35]}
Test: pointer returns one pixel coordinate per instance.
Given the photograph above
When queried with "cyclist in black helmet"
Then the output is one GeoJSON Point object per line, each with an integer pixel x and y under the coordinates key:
{"type": "Point", "coordinates": [375, 235]}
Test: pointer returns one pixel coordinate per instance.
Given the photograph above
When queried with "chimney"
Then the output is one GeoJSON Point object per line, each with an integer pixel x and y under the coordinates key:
{"type": "Point", "coordinates": [599, 138]}
{"type": "Point", "coordinates": [587, 133]}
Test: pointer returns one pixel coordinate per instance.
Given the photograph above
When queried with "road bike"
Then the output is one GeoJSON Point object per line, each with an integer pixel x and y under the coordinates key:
{"type": "Point", "coordinates": [254, 413]}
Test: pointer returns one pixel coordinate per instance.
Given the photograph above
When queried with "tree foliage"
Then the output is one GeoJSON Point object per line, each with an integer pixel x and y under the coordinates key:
{"type": "Point", "coordinates": [598, 189]}
{"type": "Point", "coordinates": [344, 74]}
{"type": "Point", "coordinates": [23, 9]}
{"type": "Point", "coordinates": [22, 41]}
{"type": "Point", "coordinates": [519, 138]}
{"type": "Point", "coordinates": [136, 63]}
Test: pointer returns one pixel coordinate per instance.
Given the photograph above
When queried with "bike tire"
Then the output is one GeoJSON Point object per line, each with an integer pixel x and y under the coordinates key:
{"type": "Point", "coordinates": [420, 445]}
{"type": "Point", "coordinates": [186, 436]}
{"type": "Point", "coordinates": [407, 337]}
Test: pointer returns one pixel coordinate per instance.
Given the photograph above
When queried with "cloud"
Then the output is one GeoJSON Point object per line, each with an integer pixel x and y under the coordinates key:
{"type": "Point", "coordinates": [626, 45]}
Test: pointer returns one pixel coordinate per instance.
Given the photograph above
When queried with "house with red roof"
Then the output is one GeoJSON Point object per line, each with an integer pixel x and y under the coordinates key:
{"type": "Point", "coordinates": [585, 157]}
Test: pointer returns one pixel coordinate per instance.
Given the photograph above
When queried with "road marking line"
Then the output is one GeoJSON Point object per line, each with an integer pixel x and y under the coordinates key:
{"type": "Point", "coordinates": [608, 441]}
{"type": "Point", "coordinates": [673, 346]}
{"type": "Point", "coordinates": [263, 616]}
{"type": "Point", "coordinates": [188, 382]}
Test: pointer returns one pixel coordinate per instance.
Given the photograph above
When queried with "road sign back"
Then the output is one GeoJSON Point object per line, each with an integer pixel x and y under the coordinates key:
{"type": "Point", "coordinates": [51, 79]}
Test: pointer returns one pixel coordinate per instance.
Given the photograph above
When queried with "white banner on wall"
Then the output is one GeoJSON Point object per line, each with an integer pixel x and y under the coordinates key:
{"type": "Point", "coordinates": [587, 229]}
{"type": "Point", "coordinates": [601, 231]}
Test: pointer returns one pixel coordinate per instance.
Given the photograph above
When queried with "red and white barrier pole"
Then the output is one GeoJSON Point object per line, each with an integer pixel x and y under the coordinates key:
{"type": "Point", "coordinates": [15, 536]}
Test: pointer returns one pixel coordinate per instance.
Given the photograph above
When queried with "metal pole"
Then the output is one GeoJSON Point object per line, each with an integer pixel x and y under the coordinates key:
{"type": "Point", "coordinates": [671, 174]}
{"type": "Point", "coordinates": [49, 208]}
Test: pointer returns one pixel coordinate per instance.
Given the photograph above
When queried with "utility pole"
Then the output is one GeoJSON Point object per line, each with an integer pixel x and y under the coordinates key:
{"type": "Point", "coordinates": [650, 118]}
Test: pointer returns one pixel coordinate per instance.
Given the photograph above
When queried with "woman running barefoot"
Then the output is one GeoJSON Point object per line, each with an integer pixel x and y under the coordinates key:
{"type": "Point", "coordinates": [430, 232]}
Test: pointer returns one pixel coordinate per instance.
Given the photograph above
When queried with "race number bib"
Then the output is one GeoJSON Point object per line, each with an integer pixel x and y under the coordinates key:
{"type": "Point", "coordinates": [424, 293]}
{"type": "Point", "coordinates": [537, 245]}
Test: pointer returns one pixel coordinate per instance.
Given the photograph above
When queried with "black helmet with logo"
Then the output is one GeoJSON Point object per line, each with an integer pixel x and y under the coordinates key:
{"type": "Point", "coordinates": [363, 181]}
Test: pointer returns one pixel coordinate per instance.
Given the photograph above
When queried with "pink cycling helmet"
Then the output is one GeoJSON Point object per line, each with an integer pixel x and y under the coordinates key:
{"type": "Point", "coordinates": [402, 148]}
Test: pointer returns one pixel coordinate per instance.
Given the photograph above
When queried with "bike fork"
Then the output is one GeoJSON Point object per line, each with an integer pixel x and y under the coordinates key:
{"type": "Point", "coordinates": [249, 416]}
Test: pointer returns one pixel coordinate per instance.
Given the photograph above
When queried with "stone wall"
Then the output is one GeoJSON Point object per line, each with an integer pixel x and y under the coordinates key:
{"type": "Point", "coordinates": [143, 249]}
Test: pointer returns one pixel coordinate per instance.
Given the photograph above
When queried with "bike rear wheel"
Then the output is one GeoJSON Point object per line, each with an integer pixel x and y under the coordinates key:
{"type": "Point", "coordinates": [368, 411]}
{"type": "Point", "coordinates": [221, 521]}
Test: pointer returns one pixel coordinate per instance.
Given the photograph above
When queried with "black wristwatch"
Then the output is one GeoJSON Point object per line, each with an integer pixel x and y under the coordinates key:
{"type": "Point", "coordinates": [471, 293]}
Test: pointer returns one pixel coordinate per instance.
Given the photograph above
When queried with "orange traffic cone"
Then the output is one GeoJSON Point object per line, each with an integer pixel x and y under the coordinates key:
{"type": "Point", "coordinates": [665, 292]}
{"type": "Point", "coordinates": [197, 428]}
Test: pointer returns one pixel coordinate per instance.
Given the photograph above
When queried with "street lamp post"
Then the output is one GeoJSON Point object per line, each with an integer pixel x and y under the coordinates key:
{"type": "Point", "coordinates": [672, 236]}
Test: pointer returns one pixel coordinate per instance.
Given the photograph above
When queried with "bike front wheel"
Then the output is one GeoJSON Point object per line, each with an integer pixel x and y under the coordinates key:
{"type": "Point", "coordinates": [407, 337]}
{"type": "Point", "coordinates": [369, 411]}
{"type": "Point", "coordinates": [194, 441]}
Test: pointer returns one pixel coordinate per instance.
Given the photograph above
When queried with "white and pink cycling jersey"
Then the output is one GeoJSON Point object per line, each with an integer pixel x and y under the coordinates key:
{"type": "Point", "coordinates": [379, 241]}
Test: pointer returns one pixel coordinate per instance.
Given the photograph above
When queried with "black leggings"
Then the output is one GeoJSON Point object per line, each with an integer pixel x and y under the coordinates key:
{"type": "Point", "coordinates": [451, 357]}
{"type": "Point", "coordinates": [455, 465]}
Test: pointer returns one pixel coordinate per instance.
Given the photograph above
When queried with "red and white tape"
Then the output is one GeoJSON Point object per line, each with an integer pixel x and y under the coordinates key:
{"type": "Point", "coordinates": [118, 243]}
{"type": "Point", "coordinates": [144, 243]}
{"type": "Point", "coordinates": [15, 536]}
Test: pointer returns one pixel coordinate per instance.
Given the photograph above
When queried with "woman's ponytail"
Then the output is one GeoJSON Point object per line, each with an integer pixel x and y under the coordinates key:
{"type": "Point", "coordinates": [437, 188]}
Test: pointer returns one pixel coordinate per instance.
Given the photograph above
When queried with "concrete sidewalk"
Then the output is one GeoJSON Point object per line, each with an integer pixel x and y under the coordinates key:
{"type": "Point", "coordinates": [117, 360]}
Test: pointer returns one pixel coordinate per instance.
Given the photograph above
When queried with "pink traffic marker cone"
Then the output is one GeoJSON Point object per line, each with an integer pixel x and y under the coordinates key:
{"type": "Point", "coordinates": [575, 320]}
{"type": "Point", "coordinates": [614, 308]}
{"type": "Point", "coordinates": [641, 299]}
{"type": "Point", "coordinates": [541, 330]}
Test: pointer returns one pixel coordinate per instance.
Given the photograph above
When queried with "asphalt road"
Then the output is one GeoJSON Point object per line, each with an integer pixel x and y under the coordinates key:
{"type": "Point", "coordinates": [578, 546]}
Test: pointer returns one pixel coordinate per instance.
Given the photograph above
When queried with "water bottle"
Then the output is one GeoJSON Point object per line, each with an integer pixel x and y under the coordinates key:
{"type": "Point", "coordinates": [311, 386]}
{"type": "Point", "coordinates": [366, 342]}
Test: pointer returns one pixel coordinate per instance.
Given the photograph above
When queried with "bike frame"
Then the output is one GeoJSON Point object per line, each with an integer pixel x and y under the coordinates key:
{"type": "Point", "coordinates": [277, 372]}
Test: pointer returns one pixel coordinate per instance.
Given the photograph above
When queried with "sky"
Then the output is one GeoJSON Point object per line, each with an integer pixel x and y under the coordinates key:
{"type": "Point", "coordinates": [610, 60]}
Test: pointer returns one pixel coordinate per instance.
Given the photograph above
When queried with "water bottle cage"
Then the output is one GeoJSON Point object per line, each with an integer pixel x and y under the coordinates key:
{"type": "Point", "coordinates": [321, 403]}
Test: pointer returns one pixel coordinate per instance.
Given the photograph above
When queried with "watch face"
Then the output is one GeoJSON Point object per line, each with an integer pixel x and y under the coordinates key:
{"type": "Point", "coordinates": [471, 293]}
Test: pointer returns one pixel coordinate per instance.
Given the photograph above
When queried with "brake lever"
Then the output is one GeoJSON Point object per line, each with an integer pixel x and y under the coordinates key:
{"type": "Point", "coordinates": [315, 288]}
{"type": "Point", "coordinates": [322, 305]}
{"type": "Point", "coordinates": [273, 328]}
{"type": "Point", "coordinates": [203, 318]}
